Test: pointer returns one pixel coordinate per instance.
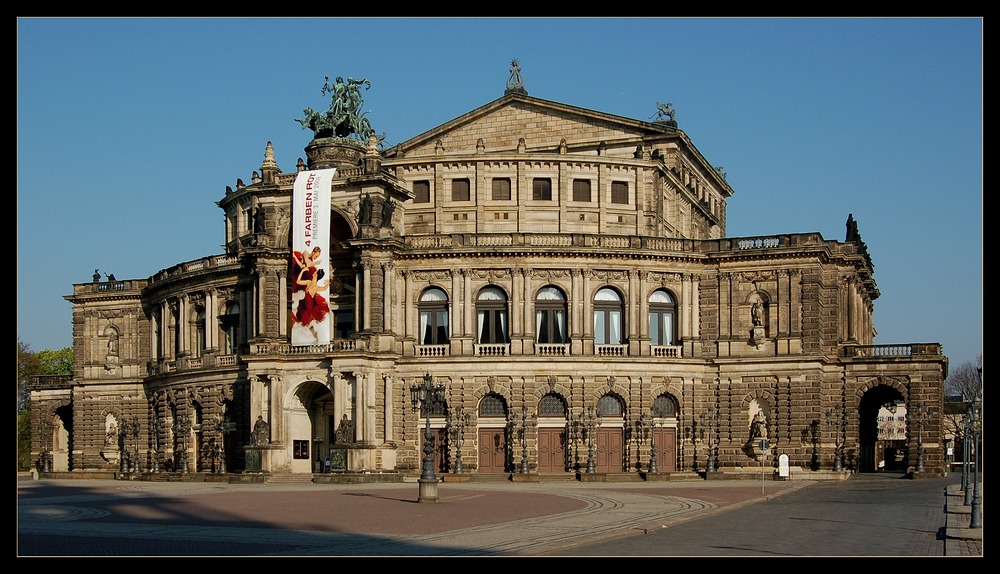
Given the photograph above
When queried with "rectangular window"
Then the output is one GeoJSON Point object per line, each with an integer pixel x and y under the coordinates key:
{"type": "Point", "coordinates": [344, 325]}
{"type": "Point", "coordinates": [619, 192]}
{"type": "Point", "coordinates": [581, 190]}
{"type": "Point", "coordinates": [541, 189]}
{"type": "Point", "coordinates": [501, 189]}
{"type": "Point", "coordinates": [300, 449]}
{"type": "Point", "coordinates": [421, 192]}
{"type": "Point", "coordinates": [460, 190]}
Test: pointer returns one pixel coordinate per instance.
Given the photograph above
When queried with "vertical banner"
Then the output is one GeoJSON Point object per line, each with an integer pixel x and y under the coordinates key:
{"type": "Point", "coordinates": [310, 265]}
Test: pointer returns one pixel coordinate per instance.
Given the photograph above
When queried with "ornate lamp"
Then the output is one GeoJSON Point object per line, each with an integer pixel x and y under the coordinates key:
{"type": "Point", "coordinates": [837, 419]}
{"type": "Point", "coordinates": [591, 421]}
{"type": "Point", "coordinates": [457, 422]}
{"type": "Point", "coordinates": [710, 420]}
{"type": "Point", "coordinates": [223, 426]}
{"type": "Point", "coordinates": [427, 396]}
{"type": "Point", "coordinates": [182, 426]}
{"type": "Point", "coordinates": [154, 432]}
{"type": "Point", "coordinates": [521, 424]}
{"type": "Point", "coordinates": [923, 415]}
{"type": "Point", "coordinates": [976, 519]}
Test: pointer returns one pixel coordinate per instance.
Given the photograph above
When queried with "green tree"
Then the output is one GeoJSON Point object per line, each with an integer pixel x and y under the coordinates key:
{"type": "Point", "coordinates": [31, 364]}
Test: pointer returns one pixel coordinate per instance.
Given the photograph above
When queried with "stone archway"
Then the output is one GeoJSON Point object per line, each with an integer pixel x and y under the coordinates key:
{"type": "Point", "coordinates": [871, 448]}
{"type": "Point", "coordinates": [311, 426]}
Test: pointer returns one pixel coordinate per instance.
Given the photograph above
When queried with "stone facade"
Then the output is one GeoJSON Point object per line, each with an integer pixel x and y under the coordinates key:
{"type": "Point", "coordinates": [591, 317]}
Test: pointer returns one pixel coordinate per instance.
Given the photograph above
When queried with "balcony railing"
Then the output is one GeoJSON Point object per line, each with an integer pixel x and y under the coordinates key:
{"type": "Point", "coordinates": [431, 350]}
{"type": "Point", "coordinates": [611, 350]}
{"type": "Point", "coordinates": [552, 349]}
{"type": "Point", "coordinates": [340, 345]}
{"type": "Point", "coordinates": [492, 350]}
{"type": "Point", "coordinates": [906, 350]}
{"type": "Point", "coordinates": [666, 351]}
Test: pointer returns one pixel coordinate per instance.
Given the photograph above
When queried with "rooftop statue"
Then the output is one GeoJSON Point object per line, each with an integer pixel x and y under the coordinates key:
{"type": "Point", "coordinates": [344, 118]}
{"type": "Point", "coordinates": [664, 111]}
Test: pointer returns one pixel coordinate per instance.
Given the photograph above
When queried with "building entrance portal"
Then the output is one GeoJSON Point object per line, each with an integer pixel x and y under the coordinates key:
{"type": "Point", "coordinates": [610, 450]}
{"type": "Point", "coordinates": [492, 450]}
{"type": "Point", "coordinates": [552, 450]}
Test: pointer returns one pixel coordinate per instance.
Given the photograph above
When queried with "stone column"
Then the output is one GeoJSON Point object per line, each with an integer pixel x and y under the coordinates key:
{"type": "Point", "coordinates": [387, 406]}
{"type": "Point", "coordinates": [407, 305]}
{"type": "Point", "coordinates": [387, 284]}
{"type": "Point", "coordinates": [366, 281]}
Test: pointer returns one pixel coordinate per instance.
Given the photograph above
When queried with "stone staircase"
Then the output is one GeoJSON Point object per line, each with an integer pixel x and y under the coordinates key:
{"type": "Point", "coordinates": [289, 478]}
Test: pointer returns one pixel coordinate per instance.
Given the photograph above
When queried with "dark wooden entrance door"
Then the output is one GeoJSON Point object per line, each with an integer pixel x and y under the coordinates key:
{"type": "Point", "coordinates": [492, 450]}
{"type": "Point", "coordinates": [551, 450]}
{"type": "Point", "coordinates": [609, 450]}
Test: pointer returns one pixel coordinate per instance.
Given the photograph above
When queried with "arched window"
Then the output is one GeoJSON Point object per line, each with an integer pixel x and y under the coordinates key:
{"type": "Point", "coordinates": [610, 406]}
{"type": "Point", "coordinates": [552, 405]}
{"type": "Point", "coordinates": [433, 317]}
{"type": "Point", "coordinates": [662, 311]}
{"type": "Point", "coordinates": [550, 315]}
{"type": "Point", "coordinates": [664, 406]}
{"type": "Point", "coordinates": [608, 313]}
{"type": "Point", "coordinates": [491, 310]}
{"type": "Point", "coordinates": [494, 406]}
{"type": "Point", "coordinates": [230, 326]}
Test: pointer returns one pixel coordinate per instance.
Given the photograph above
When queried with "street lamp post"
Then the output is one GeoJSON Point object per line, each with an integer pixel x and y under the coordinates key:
{"type": "Point", "coordinates": [976, 519]}
{"type": "Point", "coordinates": [575, 429]}
{"type": "Point", "coordinates": [123, 445]}
{"type": "Point", "coordinates": [154, 431]}
{"type": "Point", "coordinates": [223, 426]}
{"type": "Point", "coordinates": [427, 396]}
{"type": "Point", "coordinates": [591, 420]}
{"type": "Point", "coordinates": [45, 457]}
{"type": "Point", "coordinates": [456, 425]}
{"type": "Point", "coordinates": [837, 419]}
{"type": "Point", "coordinates": [966, 450]}
{"type": "Point", "coordinates": [521, 425]}
{"type": "Point", "coordinates": [710, 420]}
{"type": "Point", "coordinates": [647, 429]}
{"type": "Point", "coordinates": [923, 415]}
{"type": "Point", "coordinates": [181, 429]}
{"type": "Point", "coordinates": [134, 429]}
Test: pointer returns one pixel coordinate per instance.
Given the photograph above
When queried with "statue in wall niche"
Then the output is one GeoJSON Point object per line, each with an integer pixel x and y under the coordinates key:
{"type": "Point", "coordinates": [756, 313]}
{"type": "Point", "coordinates": [758, 433]}
{"type": "Point", "coordinates": [365, 214]}
{"type": "Point", "coordinates": [111, 434]}
{"type": "Point", "coordinates": [387, 209]}
{"type": "Point", "coordinates": [261, 434]}
{"type": "Point", "coordinates": [258, 220]}
{"type": "Point", "coordinates": [345, 432]}
{"type": "Point", "coordinates": [758, 427]}
{"type": "Point", "coordinates": [113, 343]}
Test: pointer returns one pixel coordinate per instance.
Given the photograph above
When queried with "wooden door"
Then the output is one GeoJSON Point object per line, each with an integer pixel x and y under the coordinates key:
{"type": "Point", "coordinates": [492, 450]}
{"type": "Point", "coordinates": [609, 450]}
{"type": "Point", "coordinates": [666, 449]}
{"type": "Point", "coordinates": [551, 450]}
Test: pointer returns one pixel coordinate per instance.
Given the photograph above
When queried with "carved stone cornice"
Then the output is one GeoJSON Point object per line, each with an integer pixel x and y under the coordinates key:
{"type": "Point", "coordinates": [759, 275]}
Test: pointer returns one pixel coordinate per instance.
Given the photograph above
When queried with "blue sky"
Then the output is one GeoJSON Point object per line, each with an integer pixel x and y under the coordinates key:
{"type": "Point", "coordinates": [129, 131]}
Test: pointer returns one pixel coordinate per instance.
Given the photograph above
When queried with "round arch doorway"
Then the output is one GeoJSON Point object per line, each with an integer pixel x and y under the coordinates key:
{"type": "Point", "coordinates": [879, 448]}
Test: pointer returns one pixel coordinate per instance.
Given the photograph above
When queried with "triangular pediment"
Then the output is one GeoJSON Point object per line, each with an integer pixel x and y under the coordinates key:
{"type": "Point", "coordinates": [518, 121]}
